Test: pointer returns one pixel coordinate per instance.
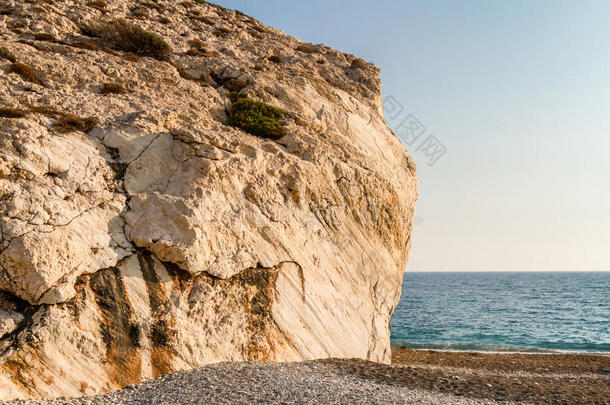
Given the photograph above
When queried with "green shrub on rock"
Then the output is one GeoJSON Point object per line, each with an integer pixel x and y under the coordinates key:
{"type": "Point", "coordinates": [112, 88]}
{"type": "Point", "coordinates": [6, 54]}
{"type": "Point", "coordinates": [25, 71]}
{"type": "Point", "coordinates": [71, 123]}
{"type": "Point", "coordinates": [218, 6]}
{"type": "Point", "coordinates": [257, 118]}
{"type": "Point", "coordinates": [130, 38]}
{"type": "Point", "coordinates": [8, 112]}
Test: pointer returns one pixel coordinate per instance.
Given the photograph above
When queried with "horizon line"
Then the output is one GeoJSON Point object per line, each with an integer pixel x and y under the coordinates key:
{"type": "Point", "coordinates": [508, 271]}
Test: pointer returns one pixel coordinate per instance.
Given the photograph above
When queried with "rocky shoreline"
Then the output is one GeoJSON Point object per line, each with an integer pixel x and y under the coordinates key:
{"type": "Point", "coordinates": [422, 377]}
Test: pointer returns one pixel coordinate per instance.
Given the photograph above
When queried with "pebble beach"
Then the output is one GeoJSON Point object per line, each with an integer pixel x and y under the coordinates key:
{"type": "Point", "coordinates": [415, 377]}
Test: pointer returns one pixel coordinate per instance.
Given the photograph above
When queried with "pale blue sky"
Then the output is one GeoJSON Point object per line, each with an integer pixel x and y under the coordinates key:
{"type": "Point", "coordinates": [518, 92]}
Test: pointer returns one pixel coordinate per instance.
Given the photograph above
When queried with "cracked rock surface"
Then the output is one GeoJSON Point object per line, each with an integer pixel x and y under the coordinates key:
{"type": "Point", "coordinates": [164, 239]}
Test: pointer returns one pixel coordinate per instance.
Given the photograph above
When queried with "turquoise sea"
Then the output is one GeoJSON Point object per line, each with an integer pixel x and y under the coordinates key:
{"type": "Point", "coordinates": [501, 311]}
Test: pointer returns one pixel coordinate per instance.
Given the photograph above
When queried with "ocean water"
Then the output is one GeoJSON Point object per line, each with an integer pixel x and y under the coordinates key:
{"type": "Point", "coordinates": [537, 312]}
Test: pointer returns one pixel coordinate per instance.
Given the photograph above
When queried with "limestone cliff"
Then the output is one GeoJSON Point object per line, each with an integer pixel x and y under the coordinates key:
{"type": "Point", "coordinates": [141, 234]}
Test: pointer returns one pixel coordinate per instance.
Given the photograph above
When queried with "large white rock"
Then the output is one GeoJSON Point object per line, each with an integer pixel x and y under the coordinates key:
{"type": "Point", "coordinates": [164, 239]}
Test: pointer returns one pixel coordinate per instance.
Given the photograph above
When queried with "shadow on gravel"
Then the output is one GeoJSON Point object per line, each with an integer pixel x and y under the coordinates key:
{"type": "Point", "coordinates": [539, 390]}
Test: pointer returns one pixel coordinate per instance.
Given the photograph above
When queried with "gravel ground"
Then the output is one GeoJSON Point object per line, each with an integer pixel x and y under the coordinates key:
{"type": "Point", "coordinates": [557, 379]}
{"type": "Point", "coordinates": [278, 383]}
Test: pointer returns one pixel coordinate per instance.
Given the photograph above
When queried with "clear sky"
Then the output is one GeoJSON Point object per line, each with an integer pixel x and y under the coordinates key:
{"type": "Point", "coordinates": [519, 94]}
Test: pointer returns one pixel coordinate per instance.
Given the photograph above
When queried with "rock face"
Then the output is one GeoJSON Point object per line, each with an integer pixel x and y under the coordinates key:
{"type": "Point", "coordinates": [162, 238]}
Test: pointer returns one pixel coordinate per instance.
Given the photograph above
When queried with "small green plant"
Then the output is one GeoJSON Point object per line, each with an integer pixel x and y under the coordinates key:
{"type": "Point", "coordinates": [130, 38]}
{"type": "Point", "coordinates": [221, 31]}
{"type": "Point", "coordinates": [256, 117]}
{"type": "Point", "coordinates": [25, 71]}
{"type": "Point", "coordinates": [203, 19]}
{"type": "Point", "coordinates": [8, 112]}
{"type": "Point", "coordinates": [64, 122]}
{"type": "Point", "coordinates": [113, 88]}
{"type": "Point", "coordinates": [44, 36]}
{"type": "Point", "coordinates": [6, 54]}
{"type": "Point", "coordinates": [211, 4]}
{"type": "Point", "coordinates": [153, 5]}
{"type": "Point", "coordinates": [359, 64]}
{"type": "Point", "coordinates": [198, 48]}
{"type": "Point", "coordinates": [139, 13]}
{"type": "Point", "coordinates": [219, 7]}
{"type": "Point", "coordinates": [234, 85]}
{"type": "Point", "coordinates": [305, 48]}
{"type": "Point", "coordinates": [197, 43]}
{"type": "Point", "coordinates": [202, 52]}
{"type": "Point", "coordinates": [71, 123]}
{"type": "Point", "coordinates": [48, 111]}
{"type": "Point", "coordinates": [86, 45]}
{"type": "Point", "coordinates": [98, 4]}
